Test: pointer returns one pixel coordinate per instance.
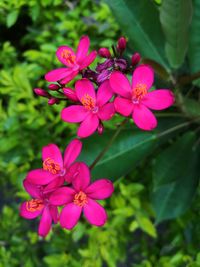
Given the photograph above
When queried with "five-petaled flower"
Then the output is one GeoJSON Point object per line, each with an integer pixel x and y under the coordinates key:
{"type": "Point", "coordinates": [94, 107]}
{"type": "Point", "coordinates": [82, 196]}
{"type": "Point", "coordinates": [75, 62]}
{"type": "Point", "coordinates": [137, 99]}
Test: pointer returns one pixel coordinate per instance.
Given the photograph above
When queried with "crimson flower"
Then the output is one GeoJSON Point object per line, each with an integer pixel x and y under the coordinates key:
{"type": "Point", "coordinates": [94, 107]}
{"type": "Point", "coordinates": [136, 99]}
{"type": "Point", "coordinates": [82, 198]}
{"type": "Point", "coordinates": [75, 62]}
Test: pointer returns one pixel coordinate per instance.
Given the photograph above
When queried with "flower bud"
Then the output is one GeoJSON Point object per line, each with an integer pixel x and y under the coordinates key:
{"type": "Point", "coordinates": [135, 59]}
{"type": "Point", "coordinates": [100, 129]}
{"type": "Point", "coordinates": [53, 86]}
{"type": "Point", "coordinates": [53, 101]}
{"type": "Point", "coordinates": [70, 94]}
{"type": "Point", "coordinates": [41, 92]}
{"type": "Point", "coordinates": [104, 52]}
{"type": "Point", "coordinates": [121, 45]}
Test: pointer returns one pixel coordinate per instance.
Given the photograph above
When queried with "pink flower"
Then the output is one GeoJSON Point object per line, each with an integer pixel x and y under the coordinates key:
{"type": "Point", "coordinates": [39, 206]}
{"type": "Point", "coordinates": [94, 107]}
{"type": "Point", "coordinates": [137, 99]}
{"type": "Point", "coordinates": [55, 168]}
{"type": "Point", "coordinates": [75, 62]}
{"type": "Point", "coordinates": [82, 197]}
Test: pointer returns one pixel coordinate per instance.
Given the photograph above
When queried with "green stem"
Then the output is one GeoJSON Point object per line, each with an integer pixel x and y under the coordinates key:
{"type": "Point", "coordinates": [102, 153]}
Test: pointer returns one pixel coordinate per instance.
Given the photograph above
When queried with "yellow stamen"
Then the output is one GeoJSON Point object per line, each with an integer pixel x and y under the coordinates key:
{"type": "Point", "coordinates": [67, 55]}
{"type": "Point", "coordinates": [80, 199]}
{"type": "Point", "coordinates": [139, 91]}
{"type": "Point", "coordinates": [88, 102]}
{"type": "Point", "coordinates": [34, 204]}
{"type": "Point", "coordinates": [51, 166]}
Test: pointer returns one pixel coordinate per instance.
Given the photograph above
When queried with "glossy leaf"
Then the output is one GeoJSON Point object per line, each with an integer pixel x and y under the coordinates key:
{"type": "Point", "coordinates": [175, 17]}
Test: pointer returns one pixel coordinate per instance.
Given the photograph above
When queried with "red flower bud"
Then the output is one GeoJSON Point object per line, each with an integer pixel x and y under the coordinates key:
{"type": "Point", "coordinates": [53, 101]}
{"type": "Point", "coordinates": [104, 52]}
{"type": "Point", "coordinates": [53, 86]}
{"type": "Point", "coordinates": [41, 92]}
{"type": "Point", "coordinates": [121, 45]}
{"type": "Point", "coordinates": [70, 94]}
{"type": "Point", "coordinates": [135, 59]}
{"type": "Point", "coordinates": [100, 128]}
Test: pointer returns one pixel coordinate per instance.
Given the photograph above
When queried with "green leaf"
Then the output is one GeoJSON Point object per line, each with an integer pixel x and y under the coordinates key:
{"type": "Point", "coordinates": [12, 18]}
{"type": "Point", "coordinates": [136, 19]}
{"type": "Point", "coordinates": [175, 175]}
{"type": "Point", "coordinates": [192, 107]}
{"type": "Point", "coordinates": [194, 44]}
{"type": "Point", "coordinates": [128, 149]}
{"type": "Point", "coordinates": [175, 17]}
{"type": "Point", "coordinates": [146, 225]}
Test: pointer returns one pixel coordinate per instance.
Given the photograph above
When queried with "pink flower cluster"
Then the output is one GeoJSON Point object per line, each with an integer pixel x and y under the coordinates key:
{"type": "Point", "coordinates": [64, 182]}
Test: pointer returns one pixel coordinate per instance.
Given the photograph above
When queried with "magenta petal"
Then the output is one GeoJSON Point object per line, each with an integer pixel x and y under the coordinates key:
{"type": "Point", "coordinates": [88, 60]}
{"type": "Point", "coordinates": [159, 99]}
{"type": "Point", "coordinates": [123, 106]}
{"type": "Point", "coordinates": [82, 178]}
{"type": "Point", "coordinates": [72, 172]}
{"type": "Point", "coordinates": [62, 196]}
{"type": "Point", "coordinates": [61, 51]}
{"type": "Point", "coordinates": [72, 152]}
{"type": "Point", "coordinates": [69, 76]}
{"type": "Point", "coordinates": [53, 185]}
{"type": "Point", "coordinates": [106, 112]}
{"type": "Point", "coordinates": [52, 151]}
{"type": "Point", "coordinates": [32, 189]}
{"type": "Point", "coordinates": [85, 87]}
{"type": "Point", "coordinates": [56, 75]}
{"type": "Point", "coordinates": [54, 213]}
{"type": "Point", "coordinates": [70, 215]}
{"type": "Point", "coordinates": [100, 189]}
{"type": "Point", "coordinates": [75, 113]}
{"type": "Point", "coordinates": [104, 93]}
{"type": "Point", "coordinates": [28, 214]}
{"type": "Point", "coordinates": [143, 75]}
{"type": "Point", "coordinates": [88, 126]}
{"type": "Point", "coordinates": [40, 177]}
{"type": "Point", "coordinates": [95, 213]}
{"type": "Point", "coordinates": [83, 48]}
{"type": "Point", "coordinates": [45, 222]}
{"type": "Point", "coordinates": [120, 84]}
{"type": "Point", "coordinates": [144, 118]}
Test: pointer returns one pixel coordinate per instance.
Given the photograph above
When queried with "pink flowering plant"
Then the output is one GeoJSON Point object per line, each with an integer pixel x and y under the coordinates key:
{"type": "Point", "coordinates": [62, 189]}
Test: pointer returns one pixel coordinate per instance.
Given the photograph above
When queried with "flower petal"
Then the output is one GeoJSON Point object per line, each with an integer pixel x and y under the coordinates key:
{"type": "Point", "coordinates": [100, 189]}
{"type": "Point", "coordinates": [104, 93]}
{"type": "Point", "coordinates": [159, 99]}
{"type": "Point", "coordinates": [28, 214]}
{"type": "Point", "coordinates": [33, 190]}
{"type": "Point", "coordinates": [120, 84]}
{"type": "Point", "coordinates": [82, 178]}
{"type": "Point", "coordinates": [72, 172]}
{"type": "Point", "coordinates": [66, 55]}
{"type": "Point", "coordinates": [75, 113]}
{"type": "Point", "coordinates": [88, 126]}
{"type": "Point", "coordinates": [106, 112]}
{"type": "Point", "coordinates": [54, 213]}
{"type": "Point", "coordinates": [70, 76]}
{"type": "Point", "coordinates": [70, 215]}
{"type": "Point", "coordinates": [45, 222]}
{"type": "Point", "coordinates": [143, 75]}
{"type": "Point", "coordinates": [40, 177]}
{"type": "Point", "coordinates": [88, 60]}
{"type": "Point", "coordinates": [83, 48]}
{"type": "Point", "coordinates": [53, 185]}
{"type": "Point", "coordinates": [123, 106]}
{"type": "Point", "coordinates": [62, 196]}
{"type": "Point", "coordinates": [52, 151]}
{"type": "Point", "coordinates": [85, 87]}
{"type": "Point", "coordinates": [56, 75]}
{"type": "Point", "coordinates": [95, 213]}
{"type": "Point", "coordinates": [72, 152]}
{"type": "Point", "coordinates": [144, 118]}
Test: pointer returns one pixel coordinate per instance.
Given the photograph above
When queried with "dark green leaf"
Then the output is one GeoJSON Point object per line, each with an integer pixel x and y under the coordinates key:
{"type": "Point", "coordinates": [175, 17]}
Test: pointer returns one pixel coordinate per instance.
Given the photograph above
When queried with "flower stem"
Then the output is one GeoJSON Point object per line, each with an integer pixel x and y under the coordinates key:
{"type": "Point", "coordinates": [102, 153]}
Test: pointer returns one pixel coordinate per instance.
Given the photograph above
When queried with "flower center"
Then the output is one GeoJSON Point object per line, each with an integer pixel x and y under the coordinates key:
{"type": "Point", "coordinates": [88, 102]}
{"type": "Point", "coordinates": [51, 166]}
{"type": "Point", "coordinates": [67, 55]}
{"type": "Point", "coordinates": [139, 91]}
{"type": "Point", "coordinates": [80, 199]}
{"type": "Point", "coordinates": [34, 204]}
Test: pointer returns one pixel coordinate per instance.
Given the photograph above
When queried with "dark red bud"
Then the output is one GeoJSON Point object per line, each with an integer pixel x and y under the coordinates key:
{"type": "Point", "coordinates": [53, 101]}
{"type": "Point", "coordinates": [41, 92]}
{"type": "Point", "coordinates": [100, 128]}
{"type": "Point", "coordinates": [70, 94]}
{"type": "Point", "coordinates": [104, 52]}
{"type": "Point", "coordinates": [121, 44]}
{"type": "Point", "coordinates": [53, 86]}
{"type": "Point", "coordinates": [135, 59]}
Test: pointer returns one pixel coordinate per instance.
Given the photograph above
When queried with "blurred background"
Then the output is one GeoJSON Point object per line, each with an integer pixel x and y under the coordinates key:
{"type": "Point", "coordinates": [30, 32]}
